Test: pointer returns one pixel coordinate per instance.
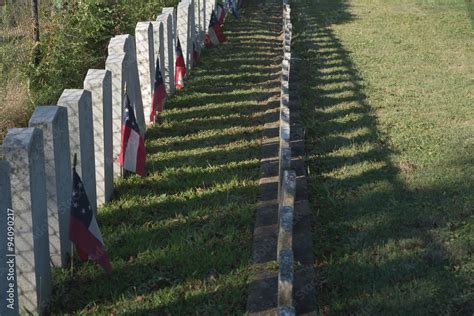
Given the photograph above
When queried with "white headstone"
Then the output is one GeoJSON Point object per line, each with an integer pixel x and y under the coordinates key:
{"type": "Point", "coordinates": [53, 121]}
{"type": "Point", "coordinates": [174, 17]}
{"type": "Point", "coordinates": [184, 30]}
{"type": "Point", "coordinates": [23, 149]}
{"type": "Point", "coordinates": [202, 20]}
{"type": "Point", "coordinates": [144, 34]}
{"type": "Point", "coordinates": [99, 83]}
{"type": "Point", "coordinates": [115, 63]}
{"type": "Point", "coordinates": [159, 44]}
{"type": "Point", "coordinates": [126, 44]}
{"type": "Point", "coordinates": [8, 285]}
{"type": "Point", "coordinates": [210, 6]}
{"type": "Point", "coordinates": [192, 31]}
{"type": "Point", "coordinates": [198, 24]}
{"type": "Point", "coordinates": [81, 137]}
{"type": "Point", "coordinates": [169, 49]}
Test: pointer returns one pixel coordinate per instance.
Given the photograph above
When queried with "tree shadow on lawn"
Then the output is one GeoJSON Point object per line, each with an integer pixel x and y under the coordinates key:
{"type": "Point", "coordinates": [180, 238]}
{"type": "Point", "coordinates": [379, 244]}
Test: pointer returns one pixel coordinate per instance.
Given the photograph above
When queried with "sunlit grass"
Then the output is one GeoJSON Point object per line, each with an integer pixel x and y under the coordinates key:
{"type": "Point", "coordinates": [386, 88]}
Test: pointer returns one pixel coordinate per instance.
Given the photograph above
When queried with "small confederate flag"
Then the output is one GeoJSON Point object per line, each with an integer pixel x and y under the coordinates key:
{"type": "Point", "coordinates": [195, 54]}
{"type": "Point", "coordinates": [215, 33]}
{"type": "Point", "coordinates": [83, 229]}
{"type": "Point", "coordinates": [180, 67]}
{"type": "Point", "coordinates": [220, 13]}
{"type": "Point", "coordinates": [159, 93]}
{"type": "Point", "coordinates": [233, 9]}
{"type": "Point", "coordinates": [132, 151]}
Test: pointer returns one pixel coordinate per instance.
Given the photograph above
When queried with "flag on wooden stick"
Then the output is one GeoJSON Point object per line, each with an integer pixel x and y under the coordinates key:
{"type": "Point", "coordinates": [220, 13]}
{"type": "Point", "coordinates": [132, 151]}
{"type": "Point", "coordinates": [216, 36]}
{"type": "Point", "coordinates": [159, 93]}
{"type": "Point", "coordinates": [180, 67]}
{"type": "Point", "coordinates": [233, 9]}
{"type": "Point", "coordinates": [84, 231]}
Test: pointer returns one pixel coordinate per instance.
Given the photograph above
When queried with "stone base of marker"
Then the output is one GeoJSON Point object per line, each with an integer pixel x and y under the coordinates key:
{"type": "Point", "coordinates": [23, 149]}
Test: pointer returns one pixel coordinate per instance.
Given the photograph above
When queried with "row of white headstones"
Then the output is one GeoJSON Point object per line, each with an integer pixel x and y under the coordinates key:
{"type": "Point", "coordinates": [286, 181]}
{"type": "Point", "coordinates": [35, 175]}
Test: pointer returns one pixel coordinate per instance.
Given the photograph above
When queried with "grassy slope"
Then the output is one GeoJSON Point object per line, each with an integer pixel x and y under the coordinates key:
{"type": "Point", "coordinates": [14, 48]}
{"type": "Point", "coordinates": [387, 93]}
{"type": "Point", "coordinates": [180, 238]}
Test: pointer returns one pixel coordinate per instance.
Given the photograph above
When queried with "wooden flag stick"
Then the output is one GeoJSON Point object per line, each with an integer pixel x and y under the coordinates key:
{"type": "Point", "coordinates": [72, 259]}
{"type": "Point", "coordinates": [74, 163]}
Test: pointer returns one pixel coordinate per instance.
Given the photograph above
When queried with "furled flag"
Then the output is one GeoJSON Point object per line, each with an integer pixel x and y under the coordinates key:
{"type": "Point", "coordinates": [132, 151]}
{"type": "Point", "coordinates": [195, 54]}
{"type": "Point", "coordinates": [83, 229]}
{"type": "Point", "coordinates": [159, 93]}
{"type": "Point", "coordinates": [220, 13]}
{"type": "Point", "coordinates": [233, 9]}
{"type": "Point", "coordinates": [180, 67]}
{"type": "Point", "coordinates": [215, 33]}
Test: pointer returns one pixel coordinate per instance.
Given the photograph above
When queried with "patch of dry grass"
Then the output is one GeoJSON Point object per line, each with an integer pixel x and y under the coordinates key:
{"type": "Point", "coordinates": [15, 109]}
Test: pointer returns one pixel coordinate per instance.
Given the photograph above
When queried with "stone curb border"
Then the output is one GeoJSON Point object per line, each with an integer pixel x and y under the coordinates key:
{"type": "Point", "coordinates": [283, 221]}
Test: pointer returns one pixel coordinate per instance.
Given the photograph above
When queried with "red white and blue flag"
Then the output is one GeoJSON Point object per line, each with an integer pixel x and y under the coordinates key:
{"type": "Point", "coordinates": [84, 231]}
{"type": "Point", "coordinates": [159, 93]}
{"type": "Point", "coordinates": [220, 13]}
{"type": "Point", "coordinates": [216, 36]}
{"type": "Point", "coordinates": [233, 9]}
{"type": "Point", "coordinates": [180, 67]}
{"type": "Point", "coordinates": [132, 151]}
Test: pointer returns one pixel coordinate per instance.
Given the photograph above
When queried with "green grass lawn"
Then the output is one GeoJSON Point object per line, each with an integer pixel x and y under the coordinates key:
{"type": "Point", "coordinates": [180, 238]}
{"type": "Point", "coordinates": [388, 104]}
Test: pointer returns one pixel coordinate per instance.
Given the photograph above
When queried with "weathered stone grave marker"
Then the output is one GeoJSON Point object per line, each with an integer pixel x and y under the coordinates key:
{"type": "Point", "coordinates": [174, 17]}
{"type": "Point", "coordinates": [166, 51]}
{"type": "Point", "coordinates": [145, 45]}
{"type": "Point", "coordinates": [184, 30]}
{"type": "Point", "coordinates": [53, 121]}
{"type": "Point", "coordinates": [115, 63]}
{"type": "Point", "coordinates": [23, 149]}
{"type": "Point", "coordinates": [159, 45]}
{"type": "Point", "coordinates": [81, 137]}
{"type": "Point", "coordinates": [192, 30]}
{"type": "Point", "coordinates": [8, 285]}
{"type": "Point", "coordinates": [210, 6]}
{"type": "Point", "coordinates": [126, 44]}
{"type": "Point", "coordinates": [99, 83]}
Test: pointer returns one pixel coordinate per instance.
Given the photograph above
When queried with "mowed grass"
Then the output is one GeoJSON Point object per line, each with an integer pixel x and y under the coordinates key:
{"type": "Point", "coordinates": [388, 104]}
{"type": "Point", "coordinates": [180, 238]}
